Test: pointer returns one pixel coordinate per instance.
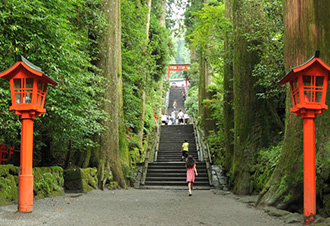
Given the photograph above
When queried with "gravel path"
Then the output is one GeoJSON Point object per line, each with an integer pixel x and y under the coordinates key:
{"type": "Point", "coordinates": [140, 208]}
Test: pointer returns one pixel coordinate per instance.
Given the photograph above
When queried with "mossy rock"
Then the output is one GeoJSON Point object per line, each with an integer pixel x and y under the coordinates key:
{"type": "Point", "coordinates": [48, 181]}
{"type": "Point", "coordinates": [8, 184]}
{"type": "Point", "coordinates": [89, 179]}
{"type": "Point", "coordinates": [113, 185]}
{"type": "Point", "coordinates": [80, 180]}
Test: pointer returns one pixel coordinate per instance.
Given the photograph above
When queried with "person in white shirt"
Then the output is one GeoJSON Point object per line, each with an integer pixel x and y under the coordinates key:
{"type": "Point", "coordinates": [164, 119]}
{"type": "Point", "coordinates": [180, 117]}
{"type": "Point", "coordinates": [186, 118]}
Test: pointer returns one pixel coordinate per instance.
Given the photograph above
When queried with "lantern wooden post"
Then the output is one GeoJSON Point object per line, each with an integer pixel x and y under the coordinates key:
{"type": "Point", "coordinates": [309, 166]}
{"type": "Point", "coordinates": [25, 186]}
{"type": "Point", "coordinates": [28, 86]}
{"type": "Point", "coordinates": [308, 86]}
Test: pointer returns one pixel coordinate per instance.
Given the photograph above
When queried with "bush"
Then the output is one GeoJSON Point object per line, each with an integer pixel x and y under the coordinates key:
{"type": "Point", "coordinates": [263, 169]}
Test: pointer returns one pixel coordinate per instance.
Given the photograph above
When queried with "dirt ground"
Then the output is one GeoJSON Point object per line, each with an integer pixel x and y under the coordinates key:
{"type": "Point", "coordinates": [138, 207]}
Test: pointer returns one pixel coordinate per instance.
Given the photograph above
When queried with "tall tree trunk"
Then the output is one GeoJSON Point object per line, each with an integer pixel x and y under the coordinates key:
{"type": "Point", "coordinates": [228, 110]}
{"type": "Point", "coordinates": [307, 29]}
{"type": "Point", "coordinates": [204, 109]}
{"type": "Point", "coordinates": [204, 81]}
{"type": "Point", "coordinates": [143, 96]}
{"type": "Point", "coordinates": [249, 124]}
{"type": "Point", "coordinates": [110, 63]}
{"type": "Point", "coordinates": [162, 18]}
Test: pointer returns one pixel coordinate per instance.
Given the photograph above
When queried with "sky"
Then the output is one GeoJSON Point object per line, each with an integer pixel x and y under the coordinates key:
{"type": "Point", "coordinates": [177, 10]}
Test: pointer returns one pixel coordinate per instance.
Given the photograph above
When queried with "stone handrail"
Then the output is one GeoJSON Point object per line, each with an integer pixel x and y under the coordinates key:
{"type": "Point", "coordinates": [197, 140]}
{"type": "Point", "coordinates": [156, 143]}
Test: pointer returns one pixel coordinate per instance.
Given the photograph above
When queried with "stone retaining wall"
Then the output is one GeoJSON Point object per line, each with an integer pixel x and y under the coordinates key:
{"type": "Point", "coordinates": [48, 182]}
{"type": "Point", "coordinates": [218, 179]}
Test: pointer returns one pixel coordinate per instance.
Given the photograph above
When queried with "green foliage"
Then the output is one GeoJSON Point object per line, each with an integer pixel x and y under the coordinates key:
{"type": "Point", "coordinates": [134, 61]}
{"type": "Point", "coordinates": [61, 38]}
{"type": "Point", "coordinates": [182, 53]}
{"type": "Point", "coordinates": [211, 25]}
{"type": "Point", "coordinates": [189, 22]}
{"type": "Point", "coordinates": [266, 162]}
{"type": "Point", "coordinates": [268, 42]}
{"type": "Point", "coordinates": [216, 145]}
{"type": "Point", "coordinates": [193, 74]}
{"type": "Point", "coordinates": [216, 138]}
{"type": "Point", "coordinates": [207, 28]}
{"type": "Point", "coordinates": [216, 103]}
{"type": "Point", "coordinates": [159, 46]}
{"type": "Point", "coordinates": [181, 56]}
{"type": "Point", "coordinates": [144, 63]}
{"type": "Point", "coordinates": [322, 175]}
{"type": "Point", "coordinates": [191, 103]}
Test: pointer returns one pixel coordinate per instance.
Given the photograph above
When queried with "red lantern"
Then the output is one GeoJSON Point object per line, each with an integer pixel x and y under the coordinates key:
{"type": "Point", "coordinates": [308, 85]}
{"type": "Point", "coordinates": [28, 86]}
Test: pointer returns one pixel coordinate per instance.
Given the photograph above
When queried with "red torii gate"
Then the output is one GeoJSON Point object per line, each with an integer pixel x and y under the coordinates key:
{"type": "Point", "coordinates": [176, 67]}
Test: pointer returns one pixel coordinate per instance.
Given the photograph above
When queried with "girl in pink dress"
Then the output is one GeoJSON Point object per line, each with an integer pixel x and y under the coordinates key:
{"type": "Point", "coordinates": [191, 172]}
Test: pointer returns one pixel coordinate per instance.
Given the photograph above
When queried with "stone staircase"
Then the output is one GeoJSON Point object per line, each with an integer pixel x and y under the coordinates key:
{"type": "Point", "coordinates": [175, 94]}
{"type": "Point", "coordinates": [168, 171]}
{"type": "Point", "coordinates": [171, 140]}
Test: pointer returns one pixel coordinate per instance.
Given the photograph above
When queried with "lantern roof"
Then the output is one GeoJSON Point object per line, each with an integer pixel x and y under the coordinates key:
{"type": "Point", "coordinates": [308, 63]}
{"type": "Point", "coordinates": [23, 62]}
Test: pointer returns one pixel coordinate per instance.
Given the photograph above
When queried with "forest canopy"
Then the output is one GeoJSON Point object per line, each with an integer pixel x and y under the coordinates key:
{"type": "Point", "coordinates": [63, 38]}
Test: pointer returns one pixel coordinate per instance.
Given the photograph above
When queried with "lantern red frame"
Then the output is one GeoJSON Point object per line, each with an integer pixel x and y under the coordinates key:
{"type": "Point", "coordinates": [308, 86]}
{"type": "Point", "coordinates": [28, 86]}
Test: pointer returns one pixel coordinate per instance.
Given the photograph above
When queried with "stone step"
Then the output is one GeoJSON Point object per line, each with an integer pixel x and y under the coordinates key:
{"type": "Point", "coordinates": [178, 170]}
{"type": "Point", "coordinates": [175, 152]}
{"type": "Point", "coordinates": [166, 159]}
{"type": "Point", "coordinates": [177, 158]}
{"type": "Point", "coordinates": [175, 183]}
{"type": "Point", "coordinates": [174, 169]}
{"type": "Point", "coordinates": [174, 165]}
{"type": "Point", "coordinates": [174, 155]}
{"type": "Point", "coordinates": [181, 187]}
{"type": "Point", "coordinates": [173, 174]}
{"type": "Point", "coordinates": [175, 179]}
